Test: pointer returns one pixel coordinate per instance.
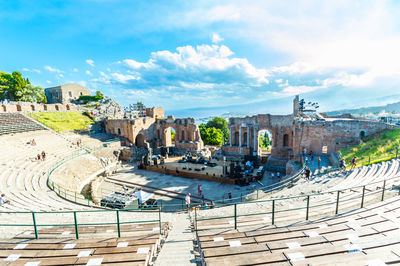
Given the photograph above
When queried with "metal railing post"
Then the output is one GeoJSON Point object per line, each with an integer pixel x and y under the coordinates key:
{"type": "Point", "coordinates": [235, 216]}
{"type": "Point", "coordinates": [159, 219]}
{"type": "Point", "coordinates": [118, 224]}
{"type": "Point", "coordinates": [308, 206]}
{"type": "Point", "coordinates": [76, 226]}
{"type": "Point", "coordinates": [383, 190]}
{"type": "Point", "coordinates": [273, 211]}
{"type": "Point", "coordinates": [35, 226]}
{"type": "Point", "coordinates": [362, 199]}
{"type": "Point", "coordinates": [337, 202]}
{"type": "Point", "coordinates": [195, 219]}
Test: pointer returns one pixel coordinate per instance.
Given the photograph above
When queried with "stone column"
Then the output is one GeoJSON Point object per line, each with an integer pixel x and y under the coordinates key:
{"type": "Point", "coordinates": [255, 139]}
{"type": "Point", "coordinates": [230, 136]}
{"type": "Point", "coordinates": [240, 136]}
{"type": "Point", "coordinates": [248, 136]}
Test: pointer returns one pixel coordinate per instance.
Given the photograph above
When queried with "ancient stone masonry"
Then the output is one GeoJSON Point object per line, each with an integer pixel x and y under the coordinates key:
{"type": "Point", "coordinates": [244, 131]}
{"type": "Point", "coordinates": [26, 107]}
{"type": "Point", "coordinates": [65, 93]}
{"type": "Point", "coordinates": [154, 130]}
{"type": "Point", "coordinates": [293, 133]}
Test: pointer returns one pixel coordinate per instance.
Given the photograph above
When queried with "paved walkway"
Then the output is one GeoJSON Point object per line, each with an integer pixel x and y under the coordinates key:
{"type": "Point", "coordinates": [178, 247]}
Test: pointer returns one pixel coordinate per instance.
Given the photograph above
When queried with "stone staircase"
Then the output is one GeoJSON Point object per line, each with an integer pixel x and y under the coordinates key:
{"type": "Point", "coordinates": [178, 247]}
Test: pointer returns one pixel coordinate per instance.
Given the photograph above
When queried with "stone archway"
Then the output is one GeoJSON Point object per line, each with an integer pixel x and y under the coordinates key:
{"type": "Point", "coordinates": [67, 107]}
{"type": "Point", "coordinates": [19, 108]}
{"type": "Point", "coordinates": [139, 141]}
{"type": "Point", "coordinates": [57, 108]}
{"type": "Point", "coordinates": [32, 107]}
{"type": "Point", "coordinates": [45, 107]}
{"type": "Point", "coordinates": [4, 108]}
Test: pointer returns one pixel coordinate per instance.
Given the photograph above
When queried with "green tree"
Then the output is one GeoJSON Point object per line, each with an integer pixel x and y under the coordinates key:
{"type": "Point", "coordinates": [221, 124]}
{"type": "Point", "coordinates": [5, 83]}
{"type": "Point", "coordinates": [265, 141]}
{"type": "Point", "coordinates": [172, 136]}
{"type": "Point", "coordinates": [211, 135]}
{"type": "Point", "coordinates": [16, 85]}
{"type": "Point", "coordinates": [31, 94]}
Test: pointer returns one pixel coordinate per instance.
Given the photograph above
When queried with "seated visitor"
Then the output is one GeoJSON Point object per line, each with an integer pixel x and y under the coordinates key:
{"type": "Point", "coordinates": [3, 200]}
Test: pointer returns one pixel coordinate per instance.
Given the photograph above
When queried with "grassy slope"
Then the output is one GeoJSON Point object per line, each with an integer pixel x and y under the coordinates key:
{"type": "Point", "coordinates": [63, 121]}
{"type": "Point", "coordinates": [376, 148]}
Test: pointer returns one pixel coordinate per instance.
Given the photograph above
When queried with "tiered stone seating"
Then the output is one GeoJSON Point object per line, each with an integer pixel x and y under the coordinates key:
{"type": "Point", "coordinates": [15, 123]}
{"type": "Point", "coordinates": [24, 179]}
{"type": "Point", "coordinates": [364, 237]}
{"type": "Point", "coordinates": [135, 249]}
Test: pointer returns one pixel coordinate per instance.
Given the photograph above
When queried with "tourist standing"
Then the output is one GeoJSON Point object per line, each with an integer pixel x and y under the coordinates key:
{"type": "Point", "coordinates": [43, 155]}
{"type": "Point", "coordinates": [187, 200]}
{"type": "Point", "coordinates": [353, 162]}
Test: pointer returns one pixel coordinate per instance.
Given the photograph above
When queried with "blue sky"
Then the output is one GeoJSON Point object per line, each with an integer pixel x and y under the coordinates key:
{"type": "Point", "coordinates": [209, 54]}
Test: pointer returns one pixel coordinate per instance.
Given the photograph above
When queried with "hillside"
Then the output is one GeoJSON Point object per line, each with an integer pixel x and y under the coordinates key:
{"type": "Point", "coordinates": [375, 148]}
{"type": "Point", "coordinates": [63, 121]}
{"type": "Point", "coordinates": [388, 108]}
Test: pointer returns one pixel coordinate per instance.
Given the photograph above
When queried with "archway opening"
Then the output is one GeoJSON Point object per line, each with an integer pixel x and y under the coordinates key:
{"type": "Point", "coordinates": [45, 107]}
{"type": "Point", "coordinates": [19, 108]}
{"type": "Point", "coordinates": [4, 108]}
{"type": "Point", "coordinates": [139, 141]}
{"type": "Point", "coordinates": [32, 107]}
{"type": "Point", "coordinates": [236, 139]}
{"type": "Point", "coordinates": [264, 142]}
{"type": "Point", "coordinates": [67, 107]}
{"type": "Point", "coordinates": [56, 106]}
{"type": "Point", "coordinates": [285, 140]}
{"type": "Point", "coordinates": [169, 137]}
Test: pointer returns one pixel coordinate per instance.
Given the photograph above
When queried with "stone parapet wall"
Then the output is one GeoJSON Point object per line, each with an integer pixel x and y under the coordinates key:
{"type": "Point", "coordinates": [27, 107]}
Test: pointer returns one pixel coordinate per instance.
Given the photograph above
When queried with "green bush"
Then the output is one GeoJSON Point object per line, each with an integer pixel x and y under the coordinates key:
{"type": "Point", "coordinates": [89, 98]}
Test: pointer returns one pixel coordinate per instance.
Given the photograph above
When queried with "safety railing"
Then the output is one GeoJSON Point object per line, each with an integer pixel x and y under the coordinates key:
{"type": "Point", "coordinates": [367, 160]}
{"type": "Point", "coordinates": [35, 225]}
{"type": "Point", "coordinates": [376, 189]}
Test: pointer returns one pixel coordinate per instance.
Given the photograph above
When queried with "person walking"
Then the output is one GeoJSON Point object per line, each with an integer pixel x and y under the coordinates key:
{"type": "Point", "coordinates": [187, 200]}
{"type": "Point", "coordinates": [353, 162]}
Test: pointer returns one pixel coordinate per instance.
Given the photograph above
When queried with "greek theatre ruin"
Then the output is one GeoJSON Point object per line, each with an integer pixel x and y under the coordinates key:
{"type": "Point", "coordinates": [291, 134]}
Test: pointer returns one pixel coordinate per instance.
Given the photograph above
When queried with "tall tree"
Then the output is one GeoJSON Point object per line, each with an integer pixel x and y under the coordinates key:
{"type": "Point", "coordinates": [32, 94]}
{"type": "Point", "coordinates": [221, 124]}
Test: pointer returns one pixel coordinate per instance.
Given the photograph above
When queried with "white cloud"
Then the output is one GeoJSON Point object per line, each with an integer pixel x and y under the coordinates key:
{"type": "Point", "coordinates": [48, 82]}
{"type": "Point", "coordinates": [294, 90]}
{"type": "Point", "coordinates": [121, 77]}
{"type": "Point", "coordinates": [52, 69]}
{"type": "Point", "coordinates": [60, 75]}
{"type": "Point", "coordinates": [216, 38]}
{"type": "Point", "coordinates": [90, 62]}
{"type": "Point", "coordinates": [213, 64]}
{"type": "Point", "coordinates": [31, 70]}
{"type": "Point", "coordinates": [75, 69]}
{"type": "Point", "coordinates": [278, 81]}
{"type": "Point", "coordinates": [88, 73]}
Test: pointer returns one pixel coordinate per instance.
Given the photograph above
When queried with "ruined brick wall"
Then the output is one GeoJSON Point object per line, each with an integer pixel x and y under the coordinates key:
{"type": "Point", "coordinates": [244, 134]}
{"type": "Point", "coordinates": [155, 112]}
{"type": "Point", "coordinates": [151, 132]}
{"type": "Point", "coordinates": [28, 107]}
{"type": "Point", "coordinates": [334, 135]}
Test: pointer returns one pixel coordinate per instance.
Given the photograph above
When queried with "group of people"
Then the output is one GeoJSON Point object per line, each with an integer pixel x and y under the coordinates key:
{"type": "Point", "coordinates": [3, 200]}
{"type": "Point", "coordinates": [41, 156]}
{"type": "Point", "coordinates": [188, 199]}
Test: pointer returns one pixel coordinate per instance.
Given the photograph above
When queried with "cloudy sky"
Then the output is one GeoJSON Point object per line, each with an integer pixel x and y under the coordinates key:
{"type": "Point", "coordinates": [198, 54]}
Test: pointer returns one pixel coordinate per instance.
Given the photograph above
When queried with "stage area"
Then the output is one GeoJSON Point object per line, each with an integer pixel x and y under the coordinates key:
{"type": "Point", "coordinates": [212, 190]}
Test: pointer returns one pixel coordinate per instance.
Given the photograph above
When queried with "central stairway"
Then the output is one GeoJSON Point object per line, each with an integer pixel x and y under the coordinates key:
{"type": "Point", "coordinates": [178, 247]}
